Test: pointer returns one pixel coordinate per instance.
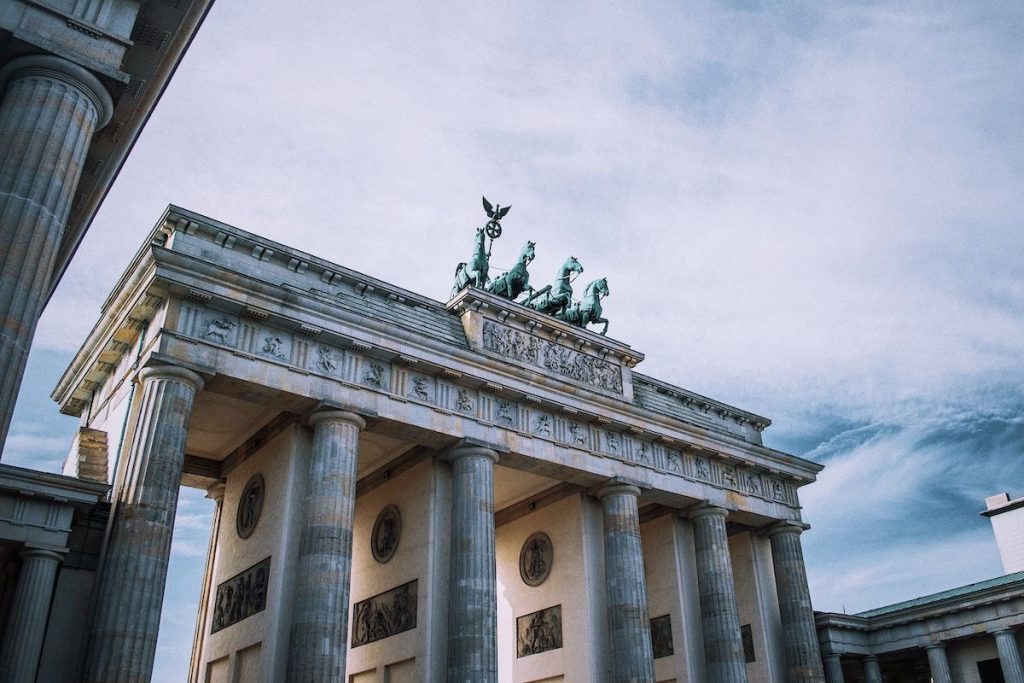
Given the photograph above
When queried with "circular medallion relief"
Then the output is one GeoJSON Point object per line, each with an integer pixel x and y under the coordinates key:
{"type": "Point", "coordinates": [535, 559]}
{"type": "Point", "coordinates": [250, 505]}
{"type": "Point", "coordinates": [386, 532]}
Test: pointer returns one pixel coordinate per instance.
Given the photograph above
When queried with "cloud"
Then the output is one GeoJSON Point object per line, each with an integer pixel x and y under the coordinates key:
{"type": "Point", "coordinates": [895, 513]}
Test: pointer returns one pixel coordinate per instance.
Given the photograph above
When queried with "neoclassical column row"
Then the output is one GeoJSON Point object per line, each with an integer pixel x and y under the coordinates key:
{"type": "Point", "coordinates": [134, 574]}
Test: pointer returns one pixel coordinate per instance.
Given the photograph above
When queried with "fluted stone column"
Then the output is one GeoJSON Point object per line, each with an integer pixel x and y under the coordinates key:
{"type": "Point", "coordinates": [719, 616]}
{"type": "Point", "coordinates": [26, 625]}
{"type": "Point", "coordinates": [134, 570]}
{"type": "Point", "coordinates": [629, 627]}
{"type": "Point", "coordinates": [48, 112]}
{"type": "Point", "coordinates": [872, 670]}
{"type": "Point", "coordinates": [216, 494]}
{"type": "Point", "coordinates": [473, 592]}
{"type": "Point", "coordinates": [833, 669]}
{"type": "Point", "coordinates": [938, 664]}
{"type": "Point", "coordinates": [317, 643]}
{"type": "Point", "coordinates": [1009, 656]}
{"type": "Point", "coordinates": [799, 636]}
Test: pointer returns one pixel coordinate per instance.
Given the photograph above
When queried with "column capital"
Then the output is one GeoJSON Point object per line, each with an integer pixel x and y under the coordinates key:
{"type": "Point", "coordinates": [870, 658]}
{"type": "Point", "coordinates": [1003, 631]}
{"type": "Point", "coordinates": [470, 451]}
{"type": "Point", "coordinates": [617, 487]}
{"type": "Point", "coordinates": [41, 553]}
{"type": "Point", "coordinates": [61, 69]}
{"type": "Point", "coordinates": [172, 372]}
{"type": "Point", "coordinates": [706, 509]}
{"type": "Point", "coordinates": [786, 526]}
{"type": "Point", "coordinates": [343, 416]}
{"type": "Point", "coordinates": [216, 492]}
{"type": "Point", "coordinates": [935, 646]}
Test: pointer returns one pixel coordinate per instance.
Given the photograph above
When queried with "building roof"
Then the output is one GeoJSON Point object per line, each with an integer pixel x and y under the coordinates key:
{"type": "Point", "coordinates": [951, 594]}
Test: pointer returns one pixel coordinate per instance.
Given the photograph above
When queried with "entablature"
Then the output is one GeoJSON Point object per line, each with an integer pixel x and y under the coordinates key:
{"type": "Point", "coordinates": [223, 305]}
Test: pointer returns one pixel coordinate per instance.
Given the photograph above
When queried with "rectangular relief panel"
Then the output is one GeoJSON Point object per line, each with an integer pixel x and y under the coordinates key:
{"type": "Point", "coordinates": [241, 596]}
{"type": "Point", "coordinates": [539, 631]}
{"type": "Point", "coordinates": [661, 636]}
{"type": "Point", "coordinates": [385, 614]}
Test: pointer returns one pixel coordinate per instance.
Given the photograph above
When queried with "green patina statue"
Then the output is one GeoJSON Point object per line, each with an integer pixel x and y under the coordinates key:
{"type": "Point", "coordinates": [516, 281]}
{"type": "Point", "coordinates": [587, 311]}
{"type": "Point", "coordinates": [475, 272]}
{"type": "Point", "coordinates": [556, 297]}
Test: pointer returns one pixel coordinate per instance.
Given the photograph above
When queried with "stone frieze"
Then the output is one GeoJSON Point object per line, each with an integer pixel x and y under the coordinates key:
{"type": "Point", "coordinates": [526, 348]}
{"type": "Point", "coordinates": [355, 365]}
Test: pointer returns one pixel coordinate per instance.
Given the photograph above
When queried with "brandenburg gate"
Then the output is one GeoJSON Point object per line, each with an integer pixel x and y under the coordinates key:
{"type": "Point", "coordinates": [409, 490]}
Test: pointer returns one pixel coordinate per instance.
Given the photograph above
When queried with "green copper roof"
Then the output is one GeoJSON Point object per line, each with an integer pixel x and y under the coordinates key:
{"type": "Point", "coordinates": [953, 593]}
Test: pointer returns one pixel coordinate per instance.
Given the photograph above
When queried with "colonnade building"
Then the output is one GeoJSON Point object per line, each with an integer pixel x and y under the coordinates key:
{"type": "Point", "coordinates": [409, 490]}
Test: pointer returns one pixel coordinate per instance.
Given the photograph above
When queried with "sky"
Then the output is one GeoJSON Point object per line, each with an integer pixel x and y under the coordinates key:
{"type": "Point", "coordinates": [809, 210]}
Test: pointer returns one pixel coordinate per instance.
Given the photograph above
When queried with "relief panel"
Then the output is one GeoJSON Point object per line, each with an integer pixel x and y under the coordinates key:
{"type": "Point", "coordinates": [241, 596]}
{"type": "Point", "coordinates": [385, 614]}
{"type": "Point", "coordinates": [539, 632]}
{"type": "Point", "coordinates": [567, 363]}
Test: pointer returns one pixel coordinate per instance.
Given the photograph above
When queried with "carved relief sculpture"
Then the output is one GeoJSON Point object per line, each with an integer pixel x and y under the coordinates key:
{"type": "Point", "coordinates": [375, 376]}
{"type": "Point", "coordinates": [385, 614]}
{"type": "Point", "coordinates": [543, 425]}
{"type": "Point", "coordinates": [504, 412]}
{"type": "Point", "coordinates": [674, 464]}
{"type": "Point", "coordinates": [578, 434]}
{"type": "Point", "coordinates": [643, 454]}
{"type": "Point", "coordinates": [241, 596]}
{"type": "Point", "coordinates": [421, 388]}
{"type": "Point", "coordinates": [661, 636]}
{"type": "Point", "coordinates": [703, 469]}
{"type": "Point", "coordinates": [778, 490]}
{"type": "Point", "coordinates": [612, 439]}
{"type": "Point", "coordinates": [219, 329]}
{"type": "Point", "coordinates": [325, 362]}
{"type": "Point", "coordinates": [272, 345]}
{"type": "Point", "coordinates": [539, 632]}
{"type": "Point", "coordinates": [387, 531]}
{"type": "Point", "coordinates": [463, 402]}
{"type": "Point", "coordinates": [574, 365]}
{"type": "Point", "coordinates": [535, 559]}
{"type": "Point", "coordinates": [250, 505]}
{"type": "Point", "coordinates": [729, 476]}
{"type": "Point", "coordinates": [754, 484]}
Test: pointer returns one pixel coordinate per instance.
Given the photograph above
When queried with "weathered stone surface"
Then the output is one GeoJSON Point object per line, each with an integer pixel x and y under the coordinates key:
{"type": "Point", "coordinates": [872, 670]}
{"type": "Point", "coordinates": [1009, 656]}
{"type": "Point", "coordinates": [48, 113]}
{"type": "Point", "coordinates": [473, 593]}
{"type": "Point", "coordinates": [626, 586]}
{"type": "Point", "coordinates": [319, 626]}
{"type": "Point", "coordinates": [88, 456]}
{"type": "Point", "coordinates": [720, 621]}
{"type": "Point", "coordinates": [26, 624]}
{"type": "Point", "coordinates": [135, 571]}
{"type": "Point", "coordinates": [938, 664]}
{"type": "Point", "coordinates": [833, 669]}
{"type": "Point", "coordinates": [800, 639]}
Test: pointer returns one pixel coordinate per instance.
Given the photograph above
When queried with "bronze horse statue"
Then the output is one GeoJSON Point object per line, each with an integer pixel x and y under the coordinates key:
{"type": "Point", "coordinates": [513, 283]}
{"type": "Point", "coordinates": [475, 272]}
{"type": "Point", "coordinates": [588, 310]}
{"type": "Point", "coordinates": [556, 297]}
